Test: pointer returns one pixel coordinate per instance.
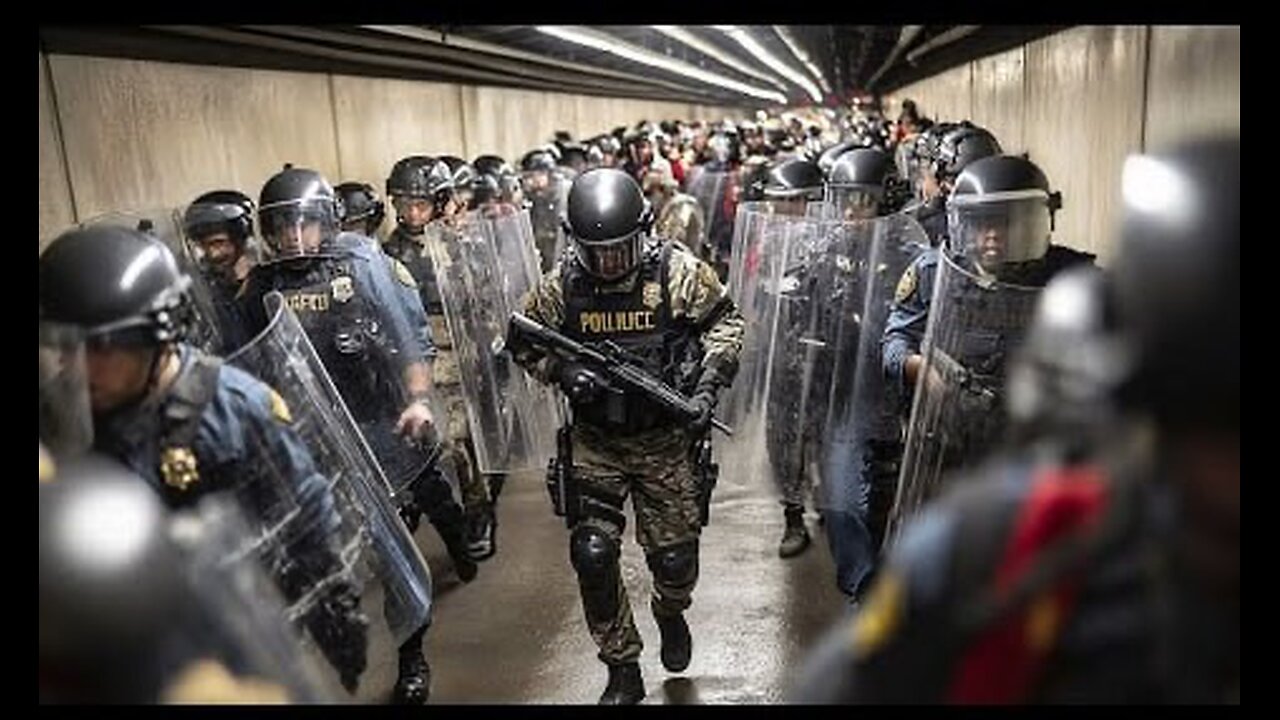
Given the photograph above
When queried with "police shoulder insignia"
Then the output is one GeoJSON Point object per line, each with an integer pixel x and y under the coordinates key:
{"type": "Point", "coordinates": [651, 294]}
{"type": "Point", "coordinates": [880, 616]}
{"type": "Point", "coordinates": [279, 408]}
{"type": "Point", "coordinates": [343, 290]}
{"type": "Point", "coordinates": [906, 285]}
{"type": "Point", "coordinates": [178, 468]}
{"type": "Point", "coordinates": [402, 274]}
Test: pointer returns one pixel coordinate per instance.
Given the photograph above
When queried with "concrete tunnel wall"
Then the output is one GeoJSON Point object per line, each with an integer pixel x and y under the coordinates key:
{"type": "Point", "coordinates": [1081, 100]}
{"type": "Point", "coordinates": [121, 134]}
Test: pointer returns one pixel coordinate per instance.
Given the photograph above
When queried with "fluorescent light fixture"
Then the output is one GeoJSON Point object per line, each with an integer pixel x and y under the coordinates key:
{"type": "Point", "coordinates": [744, 39]}
{"type": "Point", "coordinates": [607, 43]}
{"type": "Point", "coordinates": [710, 50]}
{"type": "Point", "coordinates": [801, 55]}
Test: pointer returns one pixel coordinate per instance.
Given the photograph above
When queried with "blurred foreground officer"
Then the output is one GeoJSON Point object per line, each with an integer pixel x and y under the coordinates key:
{"type": "Point", "coordinates": [1114, 579]}
{"type": "Point", "coordinates": [131, 612]}
{"type": "Point", "coordinates": [193, 426]}
{"type": "Point", "coordinates": [350, 300]}
{"type": "Point", "coordinates": [669, 313]}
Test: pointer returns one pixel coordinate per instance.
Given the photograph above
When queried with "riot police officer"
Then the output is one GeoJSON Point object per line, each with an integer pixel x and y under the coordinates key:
{"type": "Point", "coordinates": [1113, 577]}
{"type": "Point", "coordinates": [424, 195]}
{"type": "Point", "coordinates": [998, 255]}
{"type": "Point", "coordinates": [546, 191]}
{"type": "Point", "coordinates": [686, 331]}
{"type": "Point", "coordinates": [351, 302]}
{"type": "Point", "coordinates": [193, 426]}
{"type": "Point", "coordinates": [863, 184]}
{"type": "Point", "coordinates": [678, 216]}
{"type": "Point", "coordinates": [220, 226]}
{"type": "Point", "coordinates": [362, 211]}
{"type": "Point", "coordinates": [463, 175]}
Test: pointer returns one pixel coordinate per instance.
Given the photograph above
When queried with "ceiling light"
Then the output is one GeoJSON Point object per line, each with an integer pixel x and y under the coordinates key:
{"type": "Point", "coordinates": [744, 39]}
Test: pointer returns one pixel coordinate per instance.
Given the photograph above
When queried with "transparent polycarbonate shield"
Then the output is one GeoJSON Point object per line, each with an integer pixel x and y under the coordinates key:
{"type": "Point", "coordinates": [482, 265]}
{"type": "Point", "coordinates": [66, 421]}
{"type": "Point", "coordinates": [958, 413]}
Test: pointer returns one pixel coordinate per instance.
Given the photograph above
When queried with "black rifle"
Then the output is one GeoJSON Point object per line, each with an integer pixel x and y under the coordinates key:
{"type": "Point", "coordinates": [610, 361]}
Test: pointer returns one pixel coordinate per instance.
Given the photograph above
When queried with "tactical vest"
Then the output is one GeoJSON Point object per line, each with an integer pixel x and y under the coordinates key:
{"type": "Point", "coordinates": [344, 324]}
{"type": "Point", "coordinates": [638, 321]}
{"type": "Point", "coordinates": [413, 254]}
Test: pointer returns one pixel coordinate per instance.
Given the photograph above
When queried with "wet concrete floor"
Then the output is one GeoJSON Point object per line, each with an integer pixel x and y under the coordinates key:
{"type": "Point", "coordinates": [516, 634]}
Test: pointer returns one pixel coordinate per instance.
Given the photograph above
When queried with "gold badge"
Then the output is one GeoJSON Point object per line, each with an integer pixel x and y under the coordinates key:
{"type": "Point", "coordinates": [402, 274]}
{"type": "Point", "coordinates": [651, 295]}
{"type": "Point", "coordinates": [906, 285]}
{"type": "Point", "coordinates": [178, 467]}
{"type": "Point", "coordinates": [279, 408]}
{"type": "Point", "coordinates": [343, 290]}
{"type": "Point", "coordinates": [879, 617]}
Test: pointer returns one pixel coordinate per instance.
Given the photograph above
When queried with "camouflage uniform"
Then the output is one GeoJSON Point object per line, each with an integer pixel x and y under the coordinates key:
{"type": "Point", "coordinates": [681, 219]}
{"type": "Point", "coordinates": [653, 464]}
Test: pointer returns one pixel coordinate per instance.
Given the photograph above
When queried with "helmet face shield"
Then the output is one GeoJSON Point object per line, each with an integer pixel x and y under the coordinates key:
{"type": "Point", "coordinates": [299, 227]}
{"type": "Point", "coordinates": [609, 259]}
{"type": "Point", "coordinates": [856, 202]}
{"type": "Point", "coordinates": [1001, 230]}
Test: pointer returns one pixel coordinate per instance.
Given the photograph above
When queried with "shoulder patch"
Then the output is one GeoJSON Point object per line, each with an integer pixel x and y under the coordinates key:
{"type": "Point", "coordinates": [279, 408]}
{"type": "Point", "coordinates": [402, 273]}
{"type": "Point", "coordinates": [906, 285]}
{"type": "Point", "coordinates": [880, 617]}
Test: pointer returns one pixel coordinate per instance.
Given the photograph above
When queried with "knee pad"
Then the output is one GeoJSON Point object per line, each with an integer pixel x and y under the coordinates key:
{"type": "Point", "coordinates": [676, 565]}
{"type": "Point", "coordinates": [593, 553]}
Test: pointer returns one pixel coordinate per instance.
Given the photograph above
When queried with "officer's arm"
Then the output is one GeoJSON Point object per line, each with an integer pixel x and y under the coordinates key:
{"type": "Point", "coordinates": [544, 303]}
{"type": "Point", "coordinates": [696, 293]}
{"type": "Point", "coordinates": [904, 330]}
{"type": "Point", "coordinates": [405, 319]}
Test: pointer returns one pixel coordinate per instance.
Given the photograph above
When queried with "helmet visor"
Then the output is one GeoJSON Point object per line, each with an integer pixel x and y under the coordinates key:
{"type": "Point", "coordinates": [609, 259]}
{"type": "Point", "coordinates": [999, 231]}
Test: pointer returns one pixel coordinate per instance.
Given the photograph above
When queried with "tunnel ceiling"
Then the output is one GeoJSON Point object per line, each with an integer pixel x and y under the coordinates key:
{"type": "Point", "coordinates": [851, 59]}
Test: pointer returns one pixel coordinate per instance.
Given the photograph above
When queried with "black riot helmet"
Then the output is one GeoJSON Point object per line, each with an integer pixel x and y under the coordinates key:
{"type": "Point", "coordinates": [420, 176]}
{"type": "Point", "coordinates": [491, 165]}
{"type": "Point", "coordinates": [463, 175]}
{"type": "Point", "coordinates": [754, 177]}
{"type": "Point", "coordinates": [1000, 213]}
{"type": "Point", "coordinates": [485, 189]}
{"type": "Point", "coordinates": [362, 209]}
{"type": "Point", "coordinates": [220, 211]}
{"type": "Point", "coordinates": [608, 218]}
{"type": "Point", "coordinates": [829, 156]}
{"type": "Point", "coordinates": [959, 147]}
{"type": "Point", "coordinates": [1177, 279]}
{"type": "Point", "coordinates": [291, 202]}
{"type": "Point", "coordinates": [794, 178]}
{"type": "Point", "coordinates": [574, 156]}
{"type": "Point", "coordinates": [117, 284]}
{"type": "Point", "coordinates": [539, 159]}
{"type": "Point", "coordinates": [859, 182]}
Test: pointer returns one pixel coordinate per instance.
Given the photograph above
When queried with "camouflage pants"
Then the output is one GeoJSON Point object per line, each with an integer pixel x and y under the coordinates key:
{"type": "Point", "coordinates": [458, 448]}
{"type": "Point", "coordinates": [656, 470]}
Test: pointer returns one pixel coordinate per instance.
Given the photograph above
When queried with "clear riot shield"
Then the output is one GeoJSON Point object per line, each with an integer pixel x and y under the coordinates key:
{"type": "Point", "coordinates": [752, 228]}
{"type": "Point", "coordinates": [958, 413]}
{"type": "Point", "coordinates": [862, 431]}
{"type": "Point", "coordinates": [796, 355]}
{"type": "Point", "coordinates": [210, 326]}
{"type": "Point", "coordinates": [372, 542]}
{"type": "Point", "coordinates": [66, 420]}
{"type": "Point", "coordinates": [709, 189]}
{"type": "Point", "coordinates": [547, 196]}
{"type": "Point", "coordinates": [482, 266]}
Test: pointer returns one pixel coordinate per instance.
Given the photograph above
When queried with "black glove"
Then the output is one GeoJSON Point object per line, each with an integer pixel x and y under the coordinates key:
{"type": "Point", "coordinates": [580, 384]}
{"type": "Point", "coordinates": [411, 514]}
{"type": "Point", "coordinates": [705, 403]}
{"type": "Point", "coordinates": [341, 631]}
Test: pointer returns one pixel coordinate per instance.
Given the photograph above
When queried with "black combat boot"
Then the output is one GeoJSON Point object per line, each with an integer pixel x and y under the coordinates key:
{"type": "Point", "coordinates": [677, 643]}
{"type": "Point", "coordinates": [413, 686]}
{"type": "Point", "coordinates": [455, 541]}
{"type": "Point", "coordinates": [795, 539]}
{"type": "Point", "coordinates": [480, 534]}
{"type": "Point", "coordinates": [625, 687]}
